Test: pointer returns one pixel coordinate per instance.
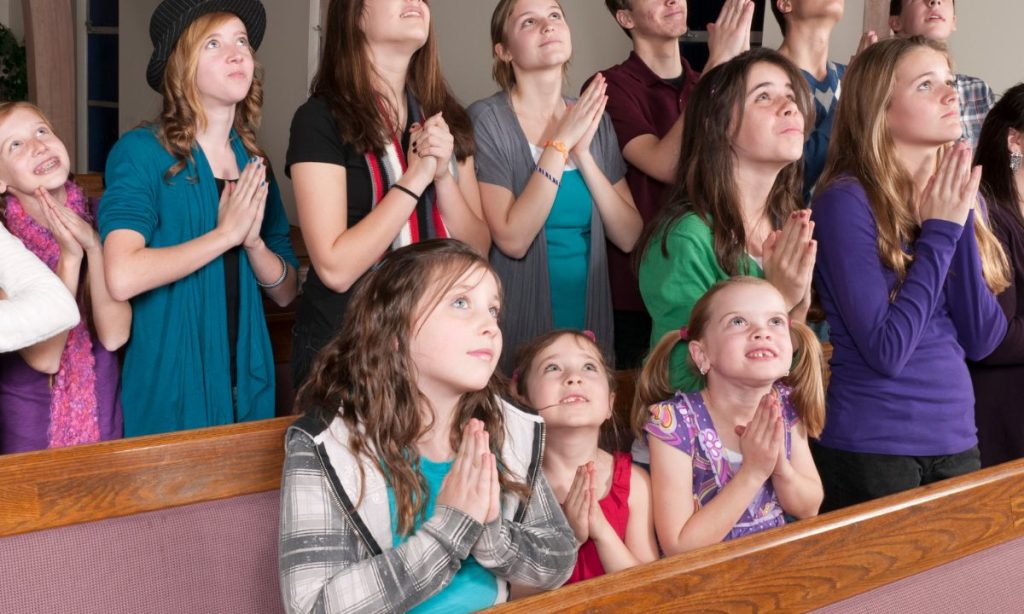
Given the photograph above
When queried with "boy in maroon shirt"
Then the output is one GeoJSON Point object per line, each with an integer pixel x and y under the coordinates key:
{"type": "Point", "coordinates": [646, 97]}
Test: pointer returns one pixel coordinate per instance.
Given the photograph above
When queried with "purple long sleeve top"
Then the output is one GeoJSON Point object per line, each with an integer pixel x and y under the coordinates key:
{"type": "Point", "coordinates": [899, 383]}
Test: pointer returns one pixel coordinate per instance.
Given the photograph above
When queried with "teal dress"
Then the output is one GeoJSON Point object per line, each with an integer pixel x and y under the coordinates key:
{"type": "Point", "coordinates": [473, 586]}
{"type": "Point", "coordinates": [176, 371]}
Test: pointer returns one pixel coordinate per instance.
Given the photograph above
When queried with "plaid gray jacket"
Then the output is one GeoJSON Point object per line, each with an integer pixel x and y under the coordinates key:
{"type": "Point", "coordinates": [335, 549]}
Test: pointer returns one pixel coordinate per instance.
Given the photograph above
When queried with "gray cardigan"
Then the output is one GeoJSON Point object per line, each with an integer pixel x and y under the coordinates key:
{"type": "Point", "coordinates": [503, 158]}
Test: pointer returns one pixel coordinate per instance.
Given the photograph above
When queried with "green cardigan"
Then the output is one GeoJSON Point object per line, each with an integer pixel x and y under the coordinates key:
{"type": "Point", "coordinates": [671, 285]}
{"type": "Point", "coordinates": [176, 372]}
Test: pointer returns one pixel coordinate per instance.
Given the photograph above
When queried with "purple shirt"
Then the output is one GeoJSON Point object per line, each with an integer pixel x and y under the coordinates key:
{"type": "Point", "coordinates": [25, 401]}
{"type": "Point", "coordinates": [684, 423]}
{"type": "Point", "coordinates": [899, 383]}
{"type": "Point", "coordinates": [640, 102]}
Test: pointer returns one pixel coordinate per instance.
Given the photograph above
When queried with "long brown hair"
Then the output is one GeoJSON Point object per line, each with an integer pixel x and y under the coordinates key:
{"type": "Point", "coordinates": [997, 179]}
{"type": "Point", "coordinates": [364, 375]}
{"type": "Point", "coordinates": [705, 181]}
{"type": "Point", "coordinates": [182, 117]}
{"type": "Point", "coordinates": [345, 80]}
{"type": "Point", "coordinates": [806, 378]}
{"type": "Point", "coordinates": [862, 147]}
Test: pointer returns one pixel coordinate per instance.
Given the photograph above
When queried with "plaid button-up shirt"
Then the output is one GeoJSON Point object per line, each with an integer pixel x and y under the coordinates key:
{"type": "Point", "coordinates": [975, 100]}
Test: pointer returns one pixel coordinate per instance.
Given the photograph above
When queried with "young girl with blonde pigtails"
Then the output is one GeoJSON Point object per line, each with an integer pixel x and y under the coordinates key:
{"type": "Point", "coordinates": [733, 458]}
{"type": "Point", "coordinates": [606, 498]}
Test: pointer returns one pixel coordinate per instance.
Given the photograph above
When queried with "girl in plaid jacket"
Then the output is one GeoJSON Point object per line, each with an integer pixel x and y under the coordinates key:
{"type": "Point", "coordinates": [409, 483]}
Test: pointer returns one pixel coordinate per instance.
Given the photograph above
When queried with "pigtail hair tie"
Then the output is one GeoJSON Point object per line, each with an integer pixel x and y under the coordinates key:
{"type": "Point", "coordinates": [589, 334]}
{"type": "Point", "coordinates": [684, 333]}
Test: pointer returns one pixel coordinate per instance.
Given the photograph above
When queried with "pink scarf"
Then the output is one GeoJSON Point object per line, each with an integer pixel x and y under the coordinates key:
{"type": "Point", "coordinates": [73, 405]}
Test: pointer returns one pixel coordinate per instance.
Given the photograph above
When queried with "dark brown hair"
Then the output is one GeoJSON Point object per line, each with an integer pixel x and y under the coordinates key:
{"type": "Point", "coordinates": [528, 352]}
{"type": "Point", "coordinates": [345, 80]}
{"type": "Point", "coordinates": [182, 116]}
{"type": "Point", "coordinates": [705, 181]}
{"type": "Point", "coordinates": [614, 6]}
{"type": "Point", "coordinates": [780, 17]}
{"type": "Point", "coordinates": [997, 180]}
{"type": "Point", "coordinates": [364, 375]}
{"type": "Point", "coordinates": [806, 378]}
{"type": "Point", "coordinates": [611, 437]}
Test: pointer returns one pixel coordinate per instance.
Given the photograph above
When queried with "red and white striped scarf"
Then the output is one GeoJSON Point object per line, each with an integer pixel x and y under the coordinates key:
{"type": "Point", "coordinates": [386, 169]}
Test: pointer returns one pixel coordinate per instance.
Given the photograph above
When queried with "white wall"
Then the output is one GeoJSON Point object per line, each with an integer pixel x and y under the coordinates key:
{"type": "Point", "coordinates": [463, 30]}
{"type": "Point", "coordinates": [986, 43]}
{"type": "Point", "coordinates": [12, 16]}
{"type": "Point", "coordinates": [845, 37]}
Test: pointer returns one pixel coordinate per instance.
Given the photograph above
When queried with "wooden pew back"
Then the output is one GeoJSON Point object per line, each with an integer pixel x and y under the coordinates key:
{"type": "Point", "coordinates": [181, 522]}
{"type": "Point", "coordinates": [55, 488]}
{"type": "Point", "coordinates": [970, 521]}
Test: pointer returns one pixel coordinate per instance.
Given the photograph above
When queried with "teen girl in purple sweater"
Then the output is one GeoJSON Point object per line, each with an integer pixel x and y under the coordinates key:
{"type": "Point", "coordinates": [906, 272]}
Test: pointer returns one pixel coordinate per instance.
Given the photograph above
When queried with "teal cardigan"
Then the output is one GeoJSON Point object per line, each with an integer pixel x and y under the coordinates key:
{"type": "Point", "coordinates": [176, 370]}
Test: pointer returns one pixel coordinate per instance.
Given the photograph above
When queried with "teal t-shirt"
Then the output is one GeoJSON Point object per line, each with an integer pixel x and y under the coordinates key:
{"type": "Point", "coordinates": [567, 231]}
{"type": "Point", "coordinates": [672, 285]}
{"type": "Point", "coordinates": [473, 587]}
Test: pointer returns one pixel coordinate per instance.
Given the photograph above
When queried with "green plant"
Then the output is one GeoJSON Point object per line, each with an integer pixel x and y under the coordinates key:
{"type": "Point", "coordinates": [13, 67]}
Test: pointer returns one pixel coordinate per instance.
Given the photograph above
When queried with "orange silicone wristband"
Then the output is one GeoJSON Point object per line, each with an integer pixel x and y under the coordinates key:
{"type": "Point", "coordinates": [559, 147]}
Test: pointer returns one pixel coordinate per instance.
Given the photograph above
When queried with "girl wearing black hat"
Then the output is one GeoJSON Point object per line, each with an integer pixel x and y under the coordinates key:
{"type": "Point", "coordinates": [193, 226]}
{"type": "Point", "coordinates": [380, 156]}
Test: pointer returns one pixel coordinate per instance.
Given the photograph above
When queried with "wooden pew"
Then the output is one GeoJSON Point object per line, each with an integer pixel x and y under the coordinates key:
{"type": "Point", "coordinates": [957, 545]}
{"type": "Point", "coordinates": [55, 488]}
{"type": "Point", "coordinates": [188, 522]}
{"type": "Point", "coordinates": [181, 522]}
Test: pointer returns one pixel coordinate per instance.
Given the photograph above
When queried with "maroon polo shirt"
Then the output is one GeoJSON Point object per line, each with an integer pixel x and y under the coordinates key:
{"type": "Point", "coordinates": [640, 102]}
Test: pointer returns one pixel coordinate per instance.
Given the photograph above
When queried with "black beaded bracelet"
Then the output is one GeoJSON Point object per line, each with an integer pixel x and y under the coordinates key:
{"type": "Point", "coordinates": [548, 175]}
{"type": "Point", "coordinates": [414, 195]}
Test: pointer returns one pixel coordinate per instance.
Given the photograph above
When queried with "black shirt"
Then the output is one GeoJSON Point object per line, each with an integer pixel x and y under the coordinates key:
{"type": "Point", "coordinates": [230, 259]}
{"type": "Point", "coordinates": [315, 138]}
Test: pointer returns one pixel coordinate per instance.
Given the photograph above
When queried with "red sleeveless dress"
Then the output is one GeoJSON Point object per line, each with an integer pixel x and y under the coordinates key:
{"type": "Point", "coordinates": [616, 509]}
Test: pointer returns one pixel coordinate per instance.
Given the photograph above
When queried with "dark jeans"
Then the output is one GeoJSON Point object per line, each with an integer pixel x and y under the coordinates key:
{"type": "Point", "coordinates": [632, 338]}
{"type": "Point", "coordinates": [854, 477]}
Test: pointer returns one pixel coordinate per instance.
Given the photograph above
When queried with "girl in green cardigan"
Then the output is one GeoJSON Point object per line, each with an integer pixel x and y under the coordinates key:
{"type": "Point", "coordinates": [193, 225]}
{"type": "Point", "coordinates": [734, 205]}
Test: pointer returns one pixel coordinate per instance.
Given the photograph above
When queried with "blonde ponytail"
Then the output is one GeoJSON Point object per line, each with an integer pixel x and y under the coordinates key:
{"type": "Point", "coordinates": [653, 384]}
{"type": "Point", "coordinates": [807, 379]}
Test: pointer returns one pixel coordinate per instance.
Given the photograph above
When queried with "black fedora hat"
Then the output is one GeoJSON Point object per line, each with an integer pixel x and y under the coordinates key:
{"type": "Point", "coordinates": [172, 17]}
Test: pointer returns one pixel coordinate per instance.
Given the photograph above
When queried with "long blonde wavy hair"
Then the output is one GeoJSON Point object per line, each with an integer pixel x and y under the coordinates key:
{"type": "Point", "coordinates": [182, 116]}
{"type": "Point", "coordinates": [862, 146]}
